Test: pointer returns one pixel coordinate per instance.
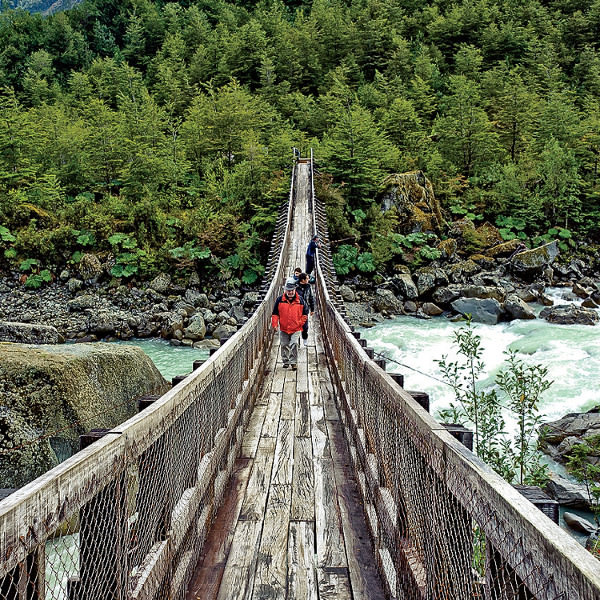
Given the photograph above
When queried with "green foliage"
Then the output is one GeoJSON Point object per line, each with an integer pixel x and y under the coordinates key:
{"type": "Point", "coordinates": [479, 406]}
{"type": "Point", "coordinates": [348, 259]}
{"type": "Point", "coordinates": [587, 471]}
{"type": "Point", "coordinates": [6, 235]}
{"type": "Point", "coordinates": [523, 385]}
{"type": "Point", "coordinates": [511, 227]}
{"type": "Point", "coordinates": [364, 262]}
{"type": "Point", "coordinates": [85, 238]}
{"type": "Point", "coordinates": [474, 404]}
{"type": "Point", "coordinates": [29, 264]}
{"type": "Point", "coordinates": [36, 280]}
{"type": "Point", "coordinates": [172, 123]}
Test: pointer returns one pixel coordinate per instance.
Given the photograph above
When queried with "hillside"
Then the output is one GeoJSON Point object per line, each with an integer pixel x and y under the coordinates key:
{"type": "Point", "coordinates": [158, 135]}
{"type": "Point", "coordinates": [46, 7]}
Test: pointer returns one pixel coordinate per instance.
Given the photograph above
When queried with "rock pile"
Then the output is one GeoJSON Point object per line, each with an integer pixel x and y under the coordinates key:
{"type": "Point", "coordinates": [75, 310]}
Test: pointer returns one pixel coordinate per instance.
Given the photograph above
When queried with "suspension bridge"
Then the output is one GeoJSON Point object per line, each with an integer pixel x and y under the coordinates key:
{"type": "Point", "coordinates": [250, 481]}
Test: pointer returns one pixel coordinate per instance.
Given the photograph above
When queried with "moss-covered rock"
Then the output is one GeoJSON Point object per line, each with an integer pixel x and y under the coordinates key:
{"type": "Point", "coordinates": [52, 394]}
{"type": "Point", "coordinates": [531, 262]}
{"type": "Point", "coordinates": [448, 247]}
{"type": "Point", "coordinates": [504, 249]}
{"type": "Point", "coordinates": [416, 205]}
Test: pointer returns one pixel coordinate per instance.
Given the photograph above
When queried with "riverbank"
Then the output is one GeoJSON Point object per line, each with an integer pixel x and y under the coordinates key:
{"type": "Point", "coordinates": [90, 312]}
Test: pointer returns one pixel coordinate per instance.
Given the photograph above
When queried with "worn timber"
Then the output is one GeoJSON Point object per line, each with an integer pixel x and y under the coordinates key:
{"type": "Point", "coordinates": [251, 481]}
{"type": "Point", "coordinates": [293, 525]}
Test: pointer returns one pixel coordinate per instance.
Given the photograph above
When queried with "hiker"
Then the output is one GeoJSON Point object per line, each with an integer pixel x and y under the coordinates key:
{"type": "Point", "coordinates": [289, 314]}
{"type": "Point", "coordinates": [304, 289]}
{"type": "Point", "coordinates": [311, 252]}
{"type": "Point", "coordinates": [297, 272]}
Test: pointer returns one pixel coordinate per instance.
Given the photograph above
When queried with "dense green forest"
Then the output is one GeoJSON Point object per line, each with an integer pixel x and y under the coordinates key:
{"type": "Point", "coordinates": [160, 133]}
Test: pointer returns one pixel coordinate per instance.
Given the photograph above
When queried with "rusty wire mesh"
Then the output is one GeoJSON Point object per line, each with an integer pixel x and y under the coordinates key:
{"type": "Point", "coordinates": [127, 516]}
{"type": "Point", "coordinates": [444, 526]}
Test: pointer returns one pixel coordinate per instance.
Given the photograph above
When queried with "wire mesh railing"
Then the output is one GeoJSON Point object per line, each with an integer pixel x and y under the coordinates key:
{"type": "Point", "coordinates": [444, 525]}
{"type": "Point", "coordinates": [127, 516]}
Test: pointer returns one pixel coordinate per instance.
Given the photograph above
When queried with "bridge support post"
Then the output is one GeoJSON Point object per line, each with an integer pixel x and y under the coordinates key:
{"type": "Point", "coordinates": [103, 540]}
{"type": "Point", "coordinates": [421, 397]}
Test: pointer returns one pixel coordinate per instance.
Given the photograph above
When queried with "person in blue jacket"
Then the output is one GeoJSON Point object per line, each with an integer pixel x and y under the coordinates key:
{"type": "Point", "coordinates": [311, 252]}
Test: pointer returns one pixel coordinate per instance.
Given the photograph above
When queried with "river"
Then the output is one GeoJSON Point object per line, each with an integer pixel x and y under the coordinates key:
{"type": "Point", "coordinates": [570, 352]}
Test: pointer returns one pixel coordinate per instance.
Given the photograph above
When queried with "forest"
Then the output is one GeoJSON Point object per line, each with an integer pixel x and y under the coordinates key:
{"type": "Point", "coordinates": [159, 135]}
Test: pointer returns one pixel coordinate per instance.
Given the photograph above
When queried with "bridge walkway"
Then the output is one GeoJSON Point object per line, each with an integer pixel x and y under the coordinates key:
{"type": "Point", "coordinates": [292, 523]}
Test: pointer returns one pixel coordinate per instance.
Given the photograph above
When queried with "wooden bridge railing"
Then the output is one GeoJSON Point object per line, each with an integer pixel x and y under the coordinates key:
{"type": "Point", "coordinates": [127, 516]}
{"type": "Point", "coordinates": [444, 525]}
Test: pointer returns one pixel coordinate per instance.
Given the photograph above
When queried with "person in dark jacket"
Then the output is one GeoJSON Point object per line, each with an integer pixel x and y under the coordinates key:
{"type": "Point", "coordinates": [311, 252]}
{"type": "Point", "coordinates": [305, 290]}
{"type": "Point", "coordinates": [289, 314]}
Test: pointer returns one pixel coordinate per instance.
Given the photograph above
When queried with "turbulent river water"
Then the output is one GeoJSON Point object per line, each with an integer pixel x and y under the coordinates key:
{"type": "Point", "coordinates": [570, 352]}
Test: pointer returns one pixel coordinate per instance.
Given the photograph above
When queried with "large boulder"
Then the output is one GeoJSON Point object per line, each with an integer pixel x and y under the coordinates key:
{"type": "Point", "coordinates": [463, 271]}
{"type": "Point", "coordinates": [567, 493]}
{"type": "Point", "coordinates": [223, 330]}
{"type": "Point", "coordinates": [428, 278]}
{"type": "Point", "coordinates": [569, 314]}
{"type": "Point", "coordinates": [571, 425]}
{"type": "Point", "coordinates": [362, 314]}
{"type": "Point", "coordinates": [386, 302]}
{"type": "Point", "coordinates": [83, 302]}
{"type": "Point", "coordinates": [406, 286]}
{"type": "Point", "coordinates": [90, 268]}
{"type": "Point", "coordinates": [196, 329]}
{"type": "Point", "coordinates": [483, 291]}
{"type": "Point", "coordinates": [411, 196]}
{"type": "Point", "coordinates": [517, 308]}
{"type": "Point", "coordinates": [62, 392]}
{"type": "Point", "coordinates": [504, 249]}
{"type": "Point", "coordinates": [532, 262]}
{"type": "Point", "coordinates": [161, 283]}
{"type": "Point", "coordinates": [444, 295]}
{"type": "Point", "coordinates": [347, 293]}
{"type": "Point", "coordinates": [27, 333]}
{"type": "Point", "coordinates": [486, 310]}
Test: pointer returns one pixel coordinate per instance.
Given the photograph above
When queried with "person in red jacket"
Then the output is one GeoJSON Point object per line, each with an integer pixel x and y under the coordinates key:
{"type": "Point", "coordinates": [289, 314]}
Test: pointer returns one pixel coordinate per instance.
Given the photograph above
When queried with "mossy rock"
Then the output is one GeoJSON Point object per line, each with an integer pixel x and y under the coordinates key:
{"type": "Point", "coordinates": [504, 249]}
{"type": "Point", "coordinates": [411, 194]}
{"type": "Point", "coordinates": [62, 391]}
{"type": "Point", "coordinates": [488, 235]}
{"type": "Point", "coordinates": [533, 261]}
{"type": "Point", "coordinates": [448, 247]}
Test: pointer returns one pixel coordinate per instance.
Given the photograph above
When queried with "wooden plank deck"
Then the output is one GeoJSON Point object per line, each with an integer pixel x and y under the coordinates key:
{"type": "Point", "coordinates": [292, 526]}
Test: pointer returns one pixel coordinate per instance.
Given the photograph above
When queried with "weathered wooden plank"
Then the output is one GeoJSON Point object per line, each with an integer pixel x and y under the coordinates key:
{"type": "Point", "coordinates": [271, 422]}
{"type": "Point", "coordinates": [303, 492]}
{"type": "Point", "coordinates": [253, 431]}
{"type": "Point", "coordinates": [314, 389]}
{"type": "Point", "coordinates": [278, 379]}
{"type": "Point", "coordinates": [288, 401]}
{"type": "Point", "coordinates": [284, 454]}
{"type": "Point", "coordinates": [331, 411]}
{"type": "Point", "coordinates": [365, 580]}
{"type": "Point", "coordinates": [319, 432]}
{"type": "Point", "coordinates": [253, 507]}
{"type": "Point", "coordinates": [312, 359]}
{"type": "Point", "coordinates": [334, 585]}
{"type": "Point", "coordinates": [238, 576]}
{"type": "Point", "coordinates": [302, 420]}
{"type": "Point", "coordinates": [331, 550]}
{"type": "Point", "coordinates": [302, 576]}
{"type": "Point", "coordinates": [270, 582]}
{"type": "Point", "coordinates": [302, 373]}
